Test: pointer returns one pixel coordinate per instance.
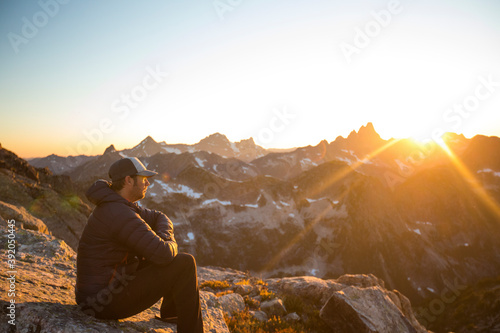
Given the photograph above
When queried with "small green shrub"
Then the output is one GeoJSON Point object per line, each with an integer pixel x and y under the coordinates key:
{"type": "Point", "coordinates": [222, 293]}
{"type": "Point", "coordinates": [243, 282]}
{"type": "Point", "coordinates": [266, 294]}
{"type": "Point", "coordinates": [251, 303]}
{"type": "Point", "coordinates": [243, 322]}
{"type": "Point", "coordinates": [215, 284]}
{"type": "Point", "coordinates": [293, 303]}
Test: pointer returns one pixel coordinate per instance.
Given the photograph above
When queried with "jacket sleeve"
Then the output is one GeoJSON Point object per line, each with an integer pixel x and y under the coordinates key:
{"type": "Point", "coordinates": [159, 222]}
{"type": "Point", "coordinates": [137, 235]}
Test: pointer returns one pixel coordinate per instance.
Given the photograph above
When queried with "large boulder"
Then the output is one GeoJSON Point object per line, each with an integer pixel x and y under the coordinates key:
{"type": "Point", "coordinates": [307, 287]}
{"type": "Point", "coordinates": [352, 303]}
{"type": "Point", "coordinates": [371, 310]}
{"type": "Point", "coordinates": [22, 217]}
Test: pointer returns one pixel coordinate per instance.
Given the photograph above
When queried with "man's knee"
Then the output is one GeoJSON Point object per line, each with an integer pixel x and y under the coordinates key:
{"type": "Point", "coordinates": [185, 259]}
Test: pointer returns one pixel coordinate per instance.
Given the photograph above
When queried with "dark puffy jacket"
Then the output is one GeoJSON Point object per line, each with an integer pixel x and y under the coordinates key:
{"type": "Point", "coordinates": [118, 234]}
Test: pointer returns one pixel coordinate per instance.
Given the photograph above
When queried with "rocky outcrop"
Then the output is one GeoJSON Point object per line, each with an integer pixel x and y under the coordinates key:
{"type": "Point", "coordinates": [353, 303]}
{"type": "Point", "coordinates": [44, 297]}
{"type": "Point", "coordinates": [40, 200]}
{"type": "Point", "coordinates": [22, 216]}
{"type": "Point", "coordinates": [351, 310]}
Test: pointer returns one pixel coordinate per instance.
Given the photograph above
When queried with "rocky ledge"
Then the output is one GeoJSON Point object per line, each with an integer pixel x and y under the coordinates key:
{"type": "Point", "coordinates": [44, 298]}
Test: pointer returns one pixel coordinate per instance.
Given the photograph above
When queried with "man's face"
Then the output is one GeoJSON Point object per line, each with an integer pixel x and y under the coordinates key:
{"type": "Point", "coordinates": [140, 187]}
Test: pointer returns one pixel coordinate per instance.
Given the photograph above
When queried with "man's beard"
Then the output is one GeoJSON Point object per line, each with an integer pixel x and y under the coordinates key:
{"type": "Point", "coordinates": [139, 193]}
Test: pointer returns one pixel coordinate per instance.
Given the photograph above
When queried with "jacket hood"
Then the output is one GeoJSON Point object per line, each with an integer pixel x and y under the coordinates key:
{"type": "Point", "coordinates": [101, 192]}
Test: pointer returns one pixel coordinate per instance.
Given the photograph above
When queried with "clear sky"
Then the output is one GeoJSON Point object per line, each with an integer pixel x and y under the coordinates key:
{"type": "Point", "coordinates": [77, 76]}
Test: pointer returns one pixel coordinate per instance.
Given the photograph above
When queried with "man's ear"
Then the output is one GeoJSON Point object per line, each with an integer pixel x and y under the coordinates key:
{"type": "Point", "coordinates": [129, 180]}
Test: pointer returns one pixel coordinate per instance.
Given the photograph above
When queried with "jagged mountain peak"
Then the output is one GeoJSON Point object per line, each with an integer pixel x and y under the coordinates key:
{"type": "Point", "coordinates": [148, 140]}
{"type": "Point", "coordinates": [366, 132]}
{"type": "Point", "coordinates": [215, 138]}
{"type": "Point", "coordinates": [111, 149]}
{"type": "Point", "coordinates": [322, 143]}
{"type": "Point", "coordinates": [147, 147]}
{"type": "Point", "coordinates": [147, 144]}
{"type": "Point", "coordinates": [247, 142]}
{"type": "Point", "coordinates": [368, 128]}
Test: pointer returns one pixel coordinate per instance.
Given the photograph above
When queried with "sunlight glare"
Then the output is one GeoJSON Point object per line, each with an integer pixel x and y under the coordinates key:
{"type": "Point", "coordinates": [477, 187]}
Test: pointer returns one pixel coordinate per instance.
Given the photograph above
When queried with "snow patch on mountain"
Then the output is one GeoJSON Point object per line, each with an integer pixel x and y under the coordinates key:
{"type": "Point", "coordinates": [344, 159]}
{"type": "Point", "coordinates": [172, 150]}
{"type": "Point", "coordinates": [168, 188]}
{"type": "Point", "coordinates": [306, 163]}
{"type": "Point", "coordinates": [200, 162]}
{"type": "Point", "coordinates": [212, 201]}
{"type": "Point", "coordinates": [495, 173]}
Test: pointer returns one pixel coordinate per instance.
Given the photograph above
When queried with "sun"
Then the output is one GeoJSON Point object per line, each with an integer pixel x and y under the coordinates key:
{"type": "Point", "coordinates": [440, 141]}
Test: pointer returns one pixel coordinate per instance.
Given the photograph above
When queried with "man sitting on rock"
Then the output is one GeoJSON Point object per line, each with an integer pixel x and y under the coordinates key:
{"type": "Point", "coordinates": [127, 256]}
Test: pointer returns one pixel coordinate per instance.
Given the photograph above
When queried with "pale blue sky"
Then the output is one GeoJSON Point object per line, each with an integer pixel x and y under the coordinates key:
{"type": "Point", "coordinates": [232, 69]}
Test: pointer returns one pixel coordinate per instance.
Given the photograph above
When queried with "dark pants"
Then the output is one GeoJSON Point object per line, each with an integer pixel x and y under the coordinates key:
{"type": "Point", "coordinates": [176, 282]}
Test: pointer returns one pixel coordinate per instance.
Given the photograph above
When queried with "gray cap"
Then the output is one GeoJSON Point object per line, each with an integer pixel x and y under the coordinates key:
{"type": "Point", "coordinates": [128, 166]}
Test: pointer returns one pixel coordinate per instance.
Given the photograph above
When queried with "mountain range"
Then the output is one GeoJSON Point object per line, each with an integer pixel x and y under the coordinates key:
{"type": "Point", "coordinates": [422, 217]}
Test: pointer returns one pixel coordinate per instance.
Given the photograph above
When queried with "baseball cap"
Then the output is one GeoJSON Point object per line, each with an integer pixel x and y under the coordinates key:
{"type": "Point", "coordinates": [128, 166]}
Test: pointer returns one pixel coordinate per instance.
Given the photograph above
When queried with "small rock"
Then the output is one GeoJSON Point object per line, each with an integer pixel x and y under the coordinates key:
{"type": "Point", "coordinates": [232, 303]}
{"type": "Point", "coordinates": [243, 289]}
{"type": "Point", "coordinates": [273, 307]}
{"type": "Point", "coordinates": [292, 317]}
{"type": "Point", "coordinates": [259, 315]}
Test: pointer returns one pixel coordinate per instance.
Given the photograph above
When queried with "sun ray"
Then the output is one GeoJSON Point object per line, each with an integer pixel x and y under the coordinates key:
{"type": "Point", "coordinates": [336, 177]}
{"type": "Point", "coordinates": [277, 257]}
{"type": "Point", "coordinates": [348, 170]}
{"type": "Point", "coordinates": [478, 189]}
